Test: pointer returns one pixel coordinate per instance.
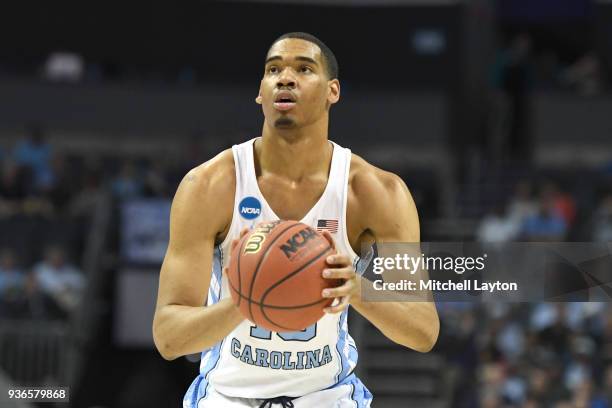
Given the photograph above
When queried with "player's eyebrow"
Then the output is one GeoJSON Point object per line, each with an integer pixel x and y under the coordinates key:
{"type": "Point", "coordinates": [298, 58]}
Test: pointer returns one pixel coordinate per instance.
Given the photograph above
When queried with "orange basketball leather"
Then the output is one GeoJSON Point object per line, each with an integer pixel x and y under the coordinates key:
{"type": "Point", "coordinates": [275, 275]}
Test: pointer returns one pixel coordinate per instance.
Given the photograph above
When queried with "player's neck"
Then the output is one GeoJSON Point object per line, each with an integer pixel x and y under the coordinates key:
{"type": "Point", "coordinates": [294, 154]}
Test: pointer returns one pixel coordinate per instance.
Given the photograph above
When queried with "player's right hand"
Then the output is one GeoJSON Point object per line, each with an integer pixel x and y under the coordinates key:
{"type": "Point", "coordinates": [242, 234]}
{"type": "Point", "coordinates": [232, 246]}
{"type": "Point", "coordinates": [235, 242]}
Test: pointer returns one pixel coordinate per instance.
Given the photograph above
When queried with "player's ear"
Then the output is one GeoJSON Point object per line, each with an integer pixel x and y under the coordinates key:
{"type": "Point", "coordinates": [258, 99]}
{"type": "Point", "coordinates": [334, 91]}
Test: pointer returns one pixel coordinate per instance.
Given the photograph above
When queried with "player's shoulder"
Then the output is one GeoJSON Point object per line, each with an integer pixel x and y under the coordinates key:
{"type": "Point", "coordinates": [379, 201]}
{"type": "Point", "coordinates": [214, 175]}
{"type": "Point", "coordinates": [205, 195]}
{"type": "Point", "coordinates": [210, 184]}
{"type": "Point", "coordinates": [367, 181]}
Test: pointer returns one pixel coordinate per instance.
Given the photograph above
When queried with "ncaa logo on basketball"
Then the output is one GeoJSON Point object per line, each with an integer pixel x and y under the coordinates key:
{"type": "Point", "coordinates": [249, 208]}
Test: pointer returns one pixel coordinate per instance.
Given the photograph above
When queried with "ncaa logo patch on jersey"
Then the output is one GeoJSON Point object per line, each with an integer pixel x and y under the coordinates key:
{"type": "Point", "coordinates": [249, 208]}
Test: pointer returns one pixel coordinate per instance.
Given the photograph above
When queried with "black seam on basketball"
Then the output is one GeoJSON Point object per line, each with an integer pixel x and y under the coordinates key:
{"type": "Point", "coordinates": [246, 299]}
{"type": "Point", "coordinates": [298, 270]}
{"type": "Point", "coordinates": [263, 257]}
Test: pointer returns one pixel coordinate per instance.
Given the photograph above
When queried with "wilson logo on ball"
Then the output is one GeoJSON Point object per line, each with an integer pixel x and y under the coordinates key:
{"type": "Point", "coordinates": [297, 241]}
{"type": "Point", "coordinates": [253, 245]}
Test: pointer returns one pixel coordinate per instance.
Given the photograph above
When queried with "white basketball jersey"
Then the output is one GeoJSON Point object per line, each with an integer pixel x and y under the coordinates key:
{"type": "Point", "coordinates": [252, 362]}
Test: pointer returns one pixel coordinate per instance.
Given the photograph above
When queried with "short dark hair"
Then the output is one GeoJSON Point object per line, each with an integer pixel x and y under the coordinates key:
{"type": "Point", "coordinates": [330, 59]}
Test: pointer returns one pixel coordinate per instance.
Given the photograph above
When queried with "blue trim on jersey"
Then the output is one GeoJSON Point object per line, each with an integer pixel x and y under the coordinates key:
{"type": "Point", "coordinates": [347, 360]}
{"type": "Point", "coordinates": [340, 345]}
{"type": "Point", "coordinates": [190, 398]}
{"type": "Point", "coordinates": [199, 387]}
{"type": "Point", "coordinates": [217, 269]}
{"type": "Point", "coordinates": [360, 394]}
{"type": "Point", "coordinates": [352, 355]}
{"type": "Point", "coordinates": [362, 262]}
{"type": "Point", "coordinates": [217, 359]}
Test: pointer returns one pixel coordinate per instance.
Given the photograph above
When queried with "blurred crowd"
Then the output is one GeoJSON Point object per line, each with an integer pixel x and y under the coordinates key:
{"type": "Point", "coordinates": [556, 355]}
{"type": "Point", "coordinates": [547, 213]}
{"type": "Point", "coordinates": [43, 216]}
{"type": "Point", "coordinates": [50, 289]}
{"type": "Point", "coordinates": [536, 355]}
{"type": "Point", "coordinates": [48, 199]}
{"type": "Point", "coordinates": [37, 180]}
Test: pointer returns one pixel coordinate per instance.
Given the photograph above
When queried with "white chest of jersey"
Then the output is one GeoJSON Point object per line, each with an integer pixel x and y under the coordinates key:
{"type": "Point", "coordinates": [252, 362]}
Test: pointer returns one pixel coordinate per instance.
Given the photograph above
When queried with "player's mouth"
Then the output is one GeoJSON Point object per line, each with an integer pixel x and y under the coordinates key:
{"type": "Point", "coordinates": [284, 100]}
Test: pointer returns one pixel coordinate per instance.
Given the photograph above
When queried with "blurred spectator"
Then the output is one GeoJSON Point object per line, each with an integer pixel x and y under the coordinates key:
{"type": "Point", "coordinates": [514, 388]}
{"type": "Point", "coordinates": [607, 386]}
{"type": "Point", "coordinates": [497, 227]}
{"type": "Point", "coordinates": [585, 75]}
{"type": "Point", "coordinates": [12, 285]}
{"type": "Point", "coordinates": [606, 169]}
{"type": "Point", "coordinates": [12, 189]}
{"type": "Point", "coordinates": [156, 183]}
{"type": "Point", "coordinates": [546, 225]}
{"type": "Point", "coordinates": [511, 340]}
{"type": "Point", "coordinates": [522, 204]}
{"type": "Point", "coordinates": [85, 200]}
{"type": "Point", "coordinates": [578, 371]}
{"type": "Point", "coordinates": [34, 152]}
{"type": "Point", "coordinates": [602, 220]}
{"type": "Point", "coordinates": [514, 80]}
{"type": "Point", "coordinates": [563, 202]}
{"type": "Point", "coordinates": [59, 281]}
{"type": "Point", "coordinates": [540, 387]}
{"type": "Point", "coordinates": [556, 334]}
{"type": "Point", "coordinates": [59, 185]}
{"type": "Point", "coordinates": [126, 184]}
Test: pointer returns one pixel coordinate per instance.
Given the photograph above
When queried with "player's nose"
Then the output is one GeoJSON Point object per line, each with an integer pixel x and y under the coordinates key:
{"type": "Point", "coordinates": [286, 79]}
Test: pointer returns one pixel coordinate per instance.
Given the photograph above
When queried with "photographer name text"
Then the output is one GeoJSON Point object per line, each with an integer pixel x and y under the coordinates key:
{"type": "Point", "coordinates": [445, 286]}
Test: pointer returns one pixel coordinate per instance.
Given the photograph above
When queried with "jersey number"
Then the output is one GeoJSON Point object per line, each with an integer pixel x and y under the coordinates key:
{"type": "Point", "coordinates": [303, 335]}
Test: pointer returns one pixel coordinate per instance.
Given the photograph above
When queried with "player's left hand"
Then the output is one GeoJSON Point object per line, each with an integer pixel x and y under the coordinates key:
{"type": "Point", "coordinates": [339, 268]}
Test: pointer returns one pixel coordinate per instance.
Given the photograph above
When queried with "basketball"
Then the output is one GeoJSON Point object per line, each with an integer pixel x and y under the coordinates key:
{"type": "Point", "coordinates": [275, 275]}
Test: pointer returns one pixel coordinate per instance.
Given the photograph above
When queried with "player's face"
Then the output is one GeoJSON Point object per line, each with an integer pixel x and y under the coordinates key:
{"type": "Point", "coordinates": [295, 90]}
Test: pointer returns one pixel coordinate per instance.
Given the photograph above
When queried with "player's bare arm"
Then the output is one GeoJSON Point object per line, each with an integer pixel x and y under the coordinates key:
{"type": "Point", "coordinates": [381, 209]}
{"type": "Point", "coordinates": [200, 216]}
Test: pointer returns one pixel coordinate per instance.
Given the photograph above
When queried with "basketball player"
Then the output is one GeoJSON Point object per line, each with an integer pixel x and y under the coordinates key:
{"type": "Point", "coordinates": [291, 172]}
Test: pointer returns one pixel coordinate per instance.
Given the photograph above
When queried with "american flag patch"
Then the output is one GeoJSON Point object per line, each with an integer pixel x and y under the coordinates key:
{"type": "Point", "coordinates": [327, 225]}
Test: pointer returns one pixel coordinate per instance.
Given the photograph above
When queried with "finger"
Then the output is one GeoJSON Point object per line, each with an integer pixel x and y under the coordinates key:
{"type": "Point", "coordinates": [343, 304]}
{"type": "Point", "coordinates": [338, 259]}
{"type": "Point", "coordinates": [242, 234]}
{"type": "Point", "coordinates": [339, 273]}
{"type": "Point", "coordinates": [235, 243]}
{"type": "Point", "coordinates": [329, 237]}
{"type": "Point", "coordinates": [340, 291]}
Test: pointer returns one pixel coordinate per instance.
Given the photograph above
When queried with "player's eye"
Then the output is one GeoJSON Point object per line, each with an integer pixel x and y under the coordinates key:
{"type": "Point", "coordinates": [305, 68]}
{"type": "Point", "coordinates": [273, 69]}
